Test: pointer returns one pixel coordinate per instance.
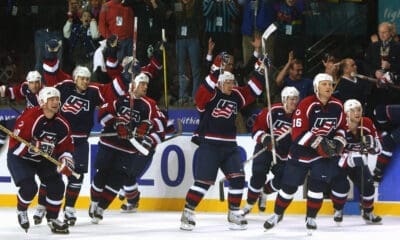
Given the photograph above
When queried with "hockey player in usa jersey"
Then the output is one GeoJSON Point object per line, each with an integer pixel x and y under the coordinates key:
{"type": "Point", "coordinates": [281, 114]}
{"type": "Point", "coordinates": [46, 129]}
{"type": "Point", "coordinates": [138, 122]}
{"type": "Point", "coordinates": [79, 100]}
{"type": "Point", "coordinates": [318, 138]}
{"type": "Point", "coordinates": [362, 140]}
{"type": "Point", "coordinates": [218, 100]}
{"type": "Point", "coordinates": [27, 90]}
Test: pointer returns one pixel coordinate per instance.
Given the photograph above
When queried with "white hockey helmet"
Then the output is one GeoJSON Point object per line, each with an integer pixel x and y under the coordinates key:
{"type": "Point", "coordinates": [351, 104]}
{"type": "Point", "coordinates": [319, 78]}
{"type": "Point", "coordinates": [81, 71]}
{"type": "Point", "coordinates": [33, 76]}
{"type": "Point", "coordinates": [46, 93]}
{"type": "Point", "coordinates": [289, 92]}
{"type": "Point", "coordinates": [225, 76]}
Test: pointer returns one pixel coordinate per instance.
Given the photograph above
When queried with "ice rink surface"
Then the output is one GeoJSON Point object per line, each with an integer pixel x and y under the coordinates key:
{"type": "Point", "coordinates": [165, 225]}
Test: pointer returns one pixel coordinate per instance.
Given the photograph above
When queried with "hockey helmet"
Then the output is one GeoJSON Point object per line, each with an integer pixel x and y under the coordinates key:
{"type": "Point", "coordinates": [289, 92]}
{"type": "Point", "coordinates": [225, 76]}
{"type": "Point", "coordinates": [351, 104]}
{"type": "Point", "coordinates": [319, 78]}
{"type": "Point", "coordinates": [33, 76]}
{"type": "Point", "coordinates": [46, 93]}
{"type": "Point", "coordinates": [81, 71]}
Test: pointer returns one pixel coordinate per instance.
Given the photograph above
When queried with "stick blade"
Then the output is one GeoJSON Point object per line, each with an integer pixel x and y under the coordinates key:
{"type": "Point", "coordinates": [267, 33]}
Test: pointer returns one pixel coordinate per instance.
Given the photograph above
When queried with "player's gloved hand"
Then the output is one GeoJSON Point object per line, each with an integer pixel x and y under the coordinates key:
{"type": "Point", "coordinates": [66, 167]}
{"type": "Point", "coordinates": [43, 146]}
{"type": "Point", "coordinates": [326, 148]}
{"type": "Point", "coordinates": [52, 48]}
{"type": "Point", "coordinates": [121, 125]}
{"type": "Point", "coordinates": [148, 142]}
{"type": "Point", "coordinates": [265, 140]}
{"type": "Point", "coordinates": [370, 145]}
{"type": "Point", "coordinates": [111, 48]}
{"type": "Point", "coordinates": [143, 128]}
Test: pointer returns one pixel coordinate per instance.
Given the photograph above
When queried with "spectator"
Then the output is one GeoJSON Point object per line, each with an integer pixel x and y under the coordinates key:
{"type": "Point", "coordinates": [218, 16]}
{"type": "Point", "coordinates": [257, 16]}
{"type": "Point", "coordinates": [381, 57]}
{"type": "Point", "coordinates": [94, 7]}
{"type": "Point", "coordinates": [82, 38]}
{"type": "Point", "coordinates": [289, 33]}
{"type": "Point", "coordinates": [292, 75]}
{"type": "Point", "coordinates": [188, 24]}
{"type": "Point", "coordinates": [117, 19]}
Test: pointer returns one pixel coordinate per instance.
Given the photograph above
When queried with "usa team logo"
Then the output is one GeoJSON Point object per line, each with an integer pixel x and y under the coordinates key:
{"type": "Point", "coordinates": [324, 126]}
{"type": "Point", "coordinates": [224, 109]}
{"type": "Point", "coordinates": [75, 105]}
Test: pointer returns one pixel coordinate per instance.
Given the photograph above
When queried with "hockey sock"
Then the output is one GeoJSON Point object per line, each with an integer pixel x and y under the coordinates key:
{"type": "Point", "coordinates": [72, 192]}
{"type": "Point", "coordinates": [55, 192]}
{"type": "Point", "coordinates": [195, 194]}
{"type": "Point", "coordinates": [235, 192]}
{"type": "Point", "coordinates": [284, 198]}
{"type": "Point", "coordinates": [42, 194]}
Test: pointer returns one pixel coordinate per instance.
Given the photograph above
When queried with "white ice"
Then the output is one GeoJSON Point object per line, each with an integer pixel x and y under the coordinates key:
{"type": "Point", "coordinates": [165, 225]}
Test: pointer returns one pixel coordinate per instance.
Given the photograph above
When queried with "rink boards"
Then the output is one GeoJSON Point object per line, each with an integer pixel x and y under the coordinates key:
{"type": "Point", "coordinates": [165, 181]}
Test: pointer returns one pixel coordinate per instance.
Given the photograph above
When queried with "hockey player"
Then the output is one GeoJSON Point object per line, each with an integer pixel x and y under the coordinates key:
{"type": "Point", "coordinates": [138, 122]}
{"type": "Point", "coordinates": [27, 90]}
{"type": "Point", "coordinates": [79, 100]}
{"type": "Point", "coordinates": [218, 100]}
{"type": "Point", "coordinates": [46, 129]}
{"type": "Point", "coordinates": [281, 114]}
{"type": "Point", "coordinates": [388, 118]}
{"type": "Point", "coordinates": [318, 137]}
{"type": "Point", "coordinates": [362, 139]}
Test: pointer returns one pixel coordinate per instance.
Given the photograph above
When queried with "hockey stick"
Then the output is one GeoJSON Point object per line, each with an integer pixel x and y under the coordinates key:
{"type": "Point", "coordinates": [363, 153]}
{"type": "Point", "coordinates": [261, 151]}
{"type": "Point", "coordinates": [164, 40]}
{"type": "Point", "coordinates": [374, 80]}
{"type": "Point", "coordinates": [271, 29]}
{"type": "Point", "coordinates": [178, 131]}
{"type": "Point", "coordinates": [35, 149]}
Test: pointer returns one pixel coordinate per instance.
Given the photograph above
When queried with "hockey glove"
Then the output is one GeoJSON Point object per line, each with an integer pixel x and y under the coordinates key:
{"type": "Point", "coordinates": [369, 144]}
{"type": "Point", "coordinates": [326, 148]}
{"type": "Point", "coordinates": [148, 143]}
{"type": "Point", "coordinates": [143, 129]}
{"type": "Point", "coordinates": [66, 167]}
{"type": "Point", "coordinates": [45, 147]}
{"type": "Point", "coordinates": [112, 46]}
{"type": "Point", "coordinates": [121, 125]}
{"type": "Point", "coordinates": [266, 141]}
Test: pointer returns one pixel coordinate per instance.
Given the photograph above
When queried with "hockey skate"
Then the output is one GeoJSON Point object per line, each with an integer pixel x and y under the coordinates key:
{"type": "Point", "coordinates": [247, 209]}
{"type": "Point", "coordinates": [92, 208]}
{"type": "Point", "coordinates": [23, 220]}
{"type": "Point", "coordinates": [338, 216]}
{"type": "Point", "coordinates": [129, 208]}
{"type": "Point", "coordinates": [69, 216]}
{"type": "Point", "coordinates": [57, 226]}
{"type": "Point", "coordinates": [370, 218]}
{"type": "Point", "coordinates": [262, 202]}
{"type": "Point", "coordinates": [187, 220]}
{"type": "Point", "coordinates": [39, 214]}
{"type": "Point", "coordinates": [272, 221]}
{"type": "Point", "coordinates": [97, 215]}
{"type": "Point", "coordinates": [311, 225]}
{"type": "Point", "coordinates": [236, 220]}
